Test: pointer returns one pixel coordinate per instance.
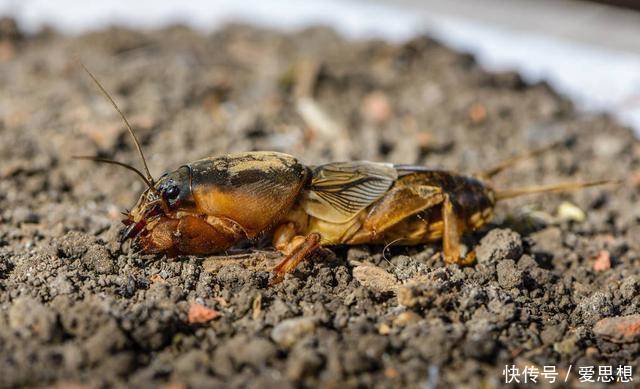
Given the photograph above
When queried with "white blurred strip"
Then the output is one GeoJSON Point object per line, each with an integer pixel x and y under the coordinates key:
{"type": "Point", "coordinates": [353, 19]}
{"type": "Point", "coordinates": [593, 77]}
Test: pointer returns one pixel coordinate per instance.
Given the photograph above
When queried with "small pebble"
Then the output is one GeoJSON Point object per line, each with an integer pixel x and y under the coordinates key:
{"type": "Point", "coordinates": [477, 113]}
{"type": "Point", "coordinates": [619, 329]}
{"type": "Point", "coordinates": [157, 279]}
{"type": "Point", "coordinates": [62, 285]}
{"type": "Point", "coordinates": [571, 212]}
{"type": "Point", "coordinates": [256, 307]}
{"type": "Point", "coordinates": [608, 146]}
{"type": "Point", "coordinates": [603, 261]}
{"type": "Point", "coordinates": [591, 352]}
{"type": "Point", "coordinates": [548, 240]}
{"type": "Point", "coordinates": [390, 372]}
{"type": "Point", "coordinates": [553, 333]}
{"type": "Point", "coordinates": [199, 314]}
{"type": "Point", "coordinates": [288, 332]}
{"type": "Point", "coordinates": [384, 329]}
{"type": "Point", "coordinates": [406, 318]}
{"type": "Point", "coordinates": [376, 107]}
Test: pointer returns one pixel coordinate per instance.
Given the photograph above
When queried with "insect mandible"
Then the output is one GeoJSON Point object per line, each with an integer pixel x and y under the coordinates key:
{"type": "Point", "coordinates": [207, 206]}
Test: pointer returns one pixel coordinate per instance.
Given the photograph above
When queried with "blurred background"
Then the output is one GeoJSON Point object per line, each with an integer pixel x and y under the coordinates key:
{"type": "Point", "coordinates": [587, 50]}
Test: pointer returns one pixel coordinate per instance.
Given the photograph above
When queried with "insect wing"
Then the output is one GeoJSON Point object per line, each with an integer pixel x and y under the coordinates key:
{"type": "Point", "coordinates": [339, 191]}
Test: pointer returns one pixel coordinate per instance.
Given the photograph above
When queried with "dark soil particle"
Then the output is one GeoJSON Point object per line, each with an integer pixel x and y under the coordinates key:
{"type": "Point", "coordinates": [499, 245]}
{"type": "Point", "coordinates": [76, 309]}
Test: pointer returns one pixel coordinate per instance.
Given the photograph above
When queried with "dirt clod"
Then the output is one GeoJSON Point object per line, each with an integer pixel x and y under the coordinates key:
{"type": "Point", "coordinates": [499, 244]}
{"type": "Point", "coordinates": [595, 307]}
{"type": "Point", "coordinates": [99, 258]}
{"type": "Point", "coordinates": [509, 276]}
{"type": "Point", "coordinates": [375, 278]}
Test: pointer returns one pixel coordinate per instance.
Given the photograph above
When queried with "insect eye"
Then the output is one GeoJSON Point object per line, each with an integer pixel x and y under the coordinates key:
{"type": "Point", "coordinates": [172, 192]}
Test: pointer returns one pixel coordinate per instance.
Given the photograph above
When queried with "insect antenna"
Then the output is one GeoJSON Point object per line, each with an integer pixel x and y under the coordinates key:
{"type": "Point", "coordinates": [503, 165]}
{"type": "Point", "coordinates": [149, 178]}
{"type": "Point", "coordinates": [124, 165]}
{"type": "Point", "coordinates": [386, 247]}
{"type": "Point", "coordinates": [562, 187]}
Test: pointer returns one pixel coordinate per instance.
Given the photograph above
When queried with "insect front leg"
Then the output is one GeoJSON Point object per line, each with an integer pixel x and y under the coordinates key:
{"type": "Point", "coordinates": [453, 227]}
{"type": "Point", "coordinates": [160, 237]}
{"type": "Point", "coordinates": [196, 235]}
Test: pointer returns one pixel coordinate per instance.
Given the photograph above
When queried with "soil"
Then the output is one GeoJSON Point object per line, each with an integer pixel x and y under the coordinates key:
{"type": "Point", "coordinates": [76, 309]}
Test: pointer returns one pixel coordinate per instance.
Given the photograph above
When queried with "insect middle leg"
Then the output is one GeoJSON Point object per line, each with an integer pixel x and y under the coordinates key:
{"type": "Point", "coordinates": [295, 255]}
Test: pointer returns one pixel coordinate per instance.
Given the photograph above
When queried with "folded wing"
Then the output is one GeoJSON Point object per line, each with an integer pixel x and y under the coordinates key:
{"type": "Point", "coordinates": [341, 190]}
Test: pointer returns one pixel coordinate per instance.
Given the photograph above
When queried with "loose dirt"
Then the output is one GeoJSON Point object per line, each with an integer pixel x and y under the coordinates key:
{"type": "Point", "coordinates": [76, 309]}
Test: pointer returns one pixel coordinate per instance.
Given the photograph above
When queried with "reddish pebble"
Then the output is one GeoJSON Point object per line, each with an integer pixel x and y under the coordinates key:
{"type": "Point", "coordinates": [603, 261]}
{"type": "Point", "coordinates": [477, 113]}
{"type": "Point", "coordinates": [620, 329]}
{"type": "Point", "coordinates": [390, 372]}
{"type": "Point", "coordinates": [199, 314]}
{"type": "Point", "coordinates": [157, 278]}
{"type": "Point", "coordinates": [376, 107]}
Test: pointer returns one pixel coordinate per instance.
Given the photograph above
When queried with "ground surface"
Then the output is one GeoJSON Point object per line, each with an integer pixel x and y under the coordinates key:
{"type": "Point", "coordinates": [74, 308]}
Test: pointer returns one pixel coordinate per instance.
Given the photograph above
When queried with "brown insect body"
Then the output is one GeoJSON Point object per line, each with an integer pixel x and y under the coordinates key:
{"type": "Point", "coordinates": [207, 206]}
{"type": "Point", "coordinates": [211, 204]}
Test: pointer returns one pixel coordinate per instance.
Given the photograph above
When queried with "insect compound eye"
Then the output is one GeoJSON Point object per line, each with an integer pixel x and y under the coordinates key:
{"type": "Point", "coordinates": [172, 192]}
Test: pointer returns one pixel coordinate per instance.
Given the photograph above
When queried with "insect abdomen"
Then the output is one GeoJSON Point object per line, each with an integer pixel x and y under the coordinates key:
{"type": "Point", "coordinates": [474, 201]}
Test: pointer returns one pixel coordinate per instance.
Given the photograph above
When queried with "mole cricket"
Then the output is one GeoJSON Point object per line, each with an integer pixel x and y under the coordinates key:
{"type": "Point", "coordinates": [207, 206]}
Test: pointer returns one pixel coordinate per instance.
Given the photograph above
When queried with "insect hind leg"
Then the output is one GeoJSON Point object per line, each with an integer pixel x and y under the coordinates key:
{"type": "Point", "coordinates": [451, 237]}
{"type": "Point", "coordinates": [397, 205]}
